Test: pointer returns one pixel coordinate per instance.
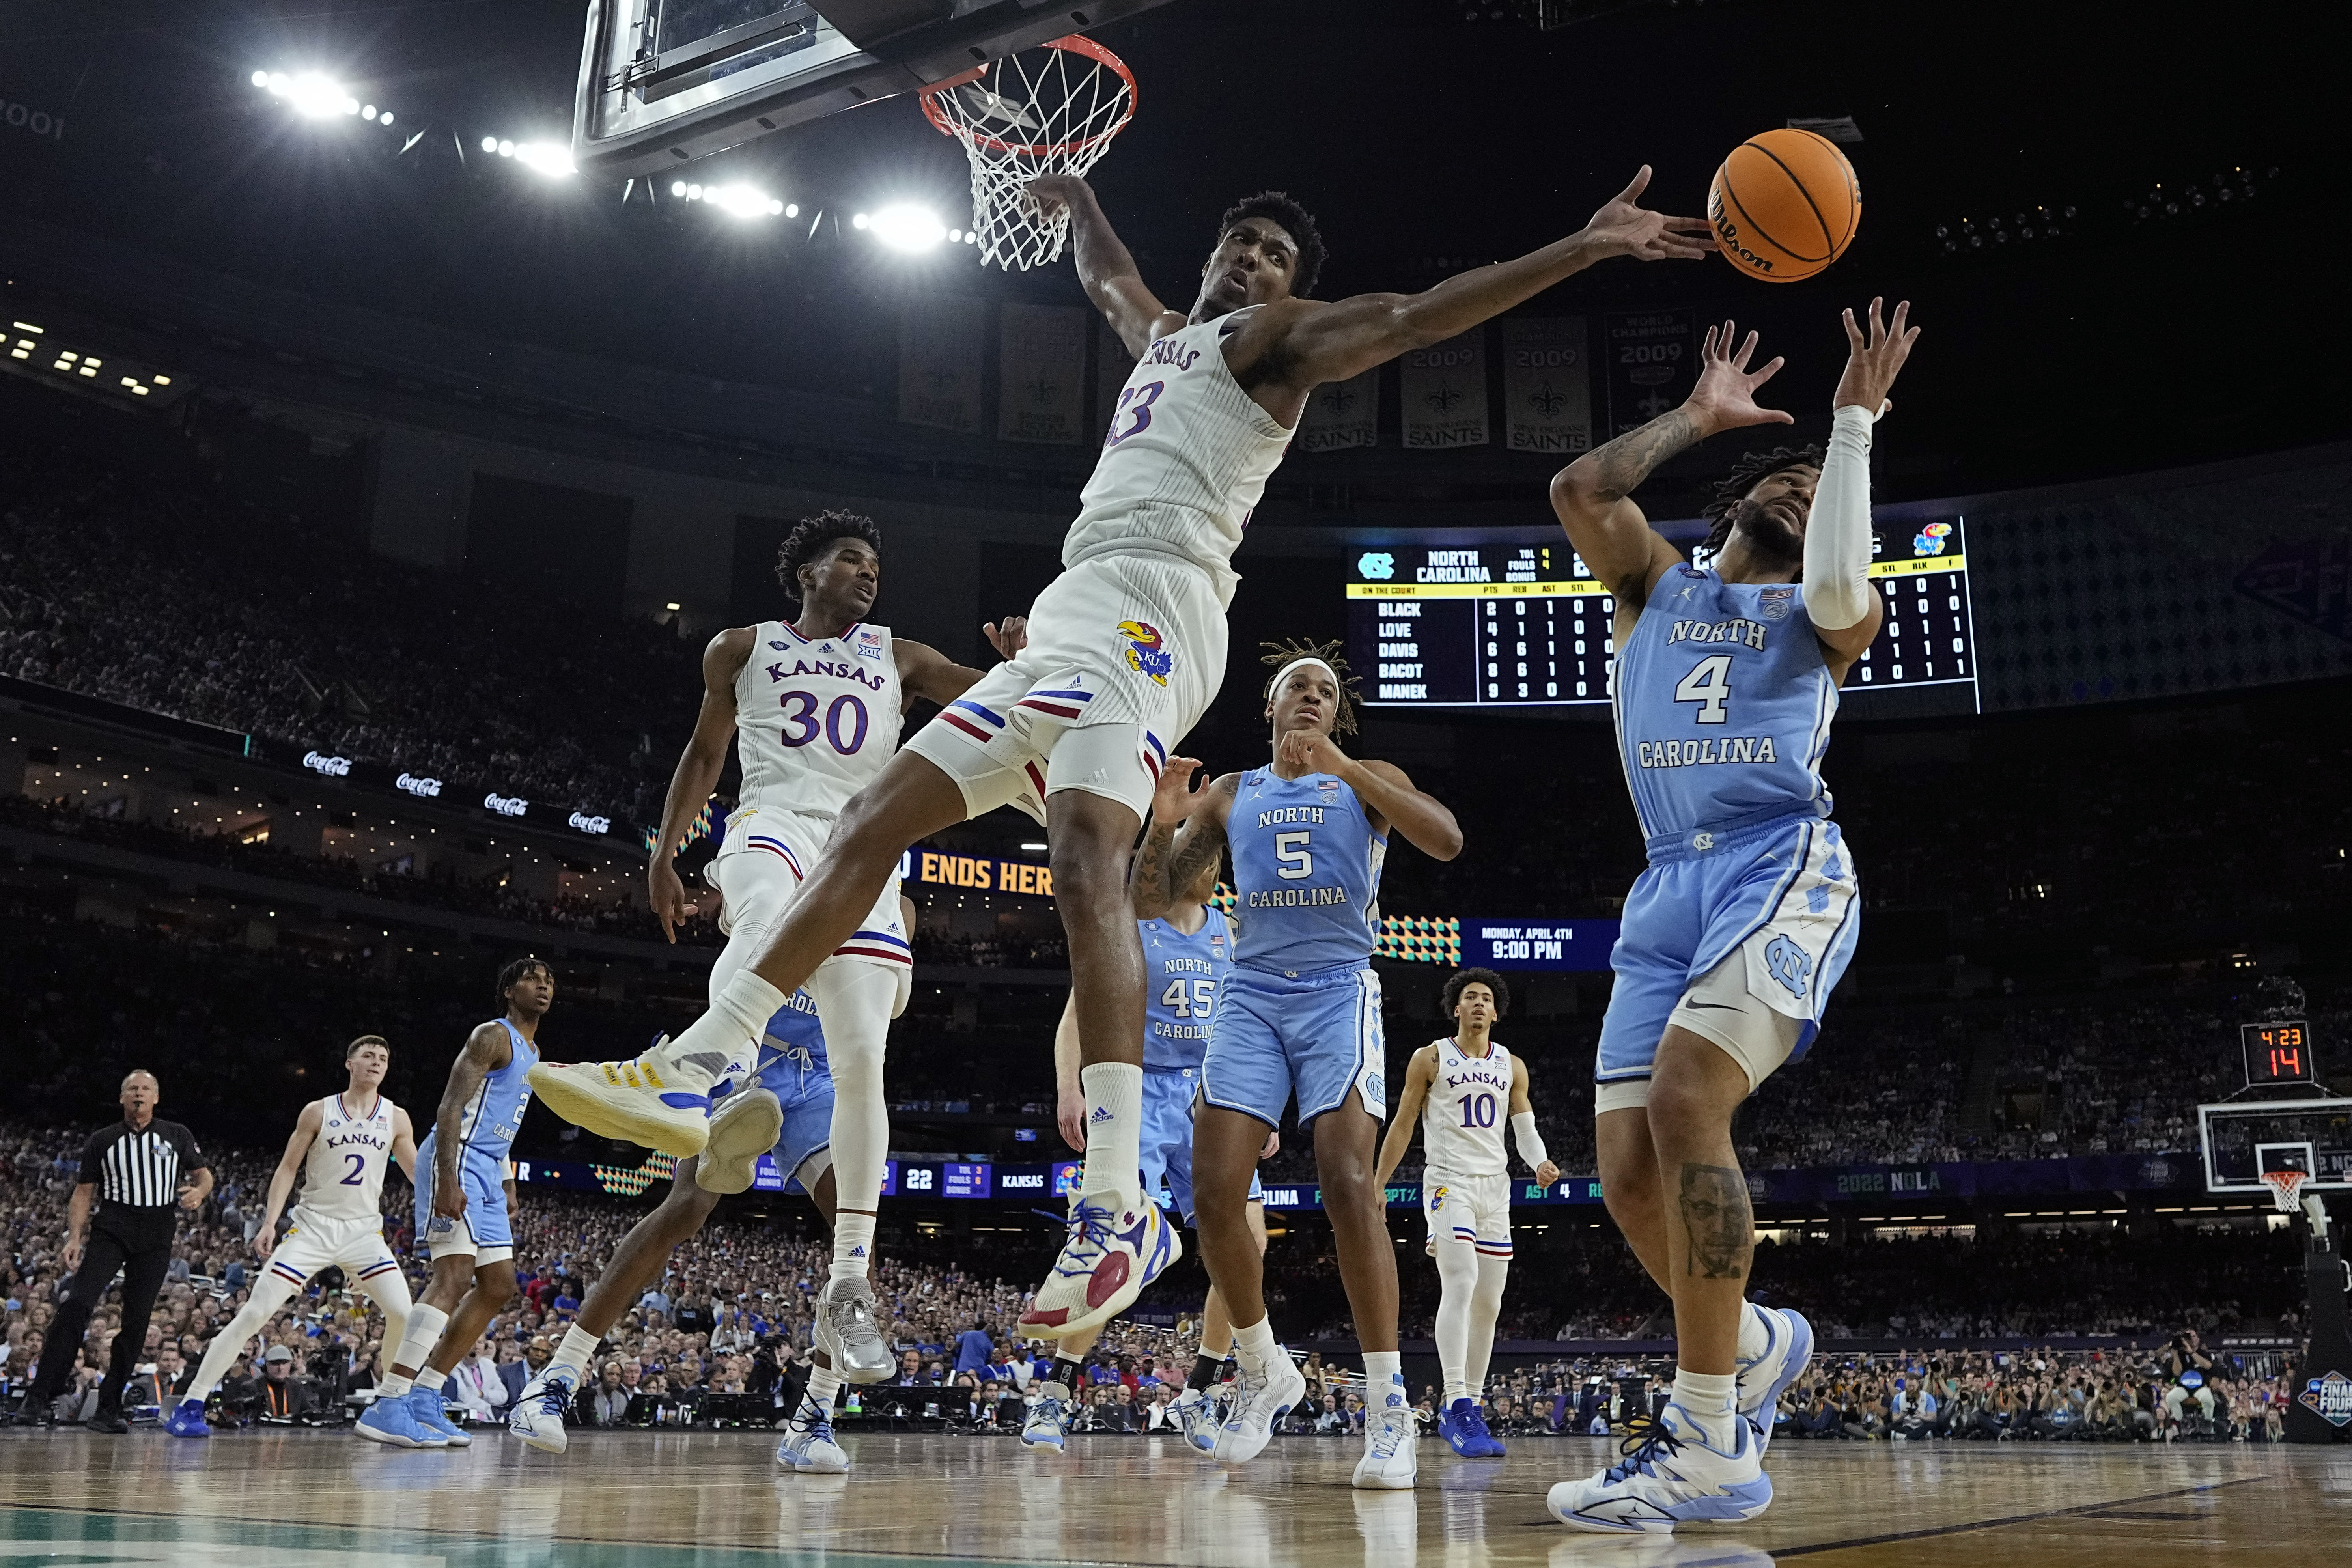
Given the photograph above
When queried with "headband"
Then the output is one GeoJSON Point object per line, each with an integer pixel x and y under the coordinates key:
{"type": "Point", "coordinates": [1284, 673]}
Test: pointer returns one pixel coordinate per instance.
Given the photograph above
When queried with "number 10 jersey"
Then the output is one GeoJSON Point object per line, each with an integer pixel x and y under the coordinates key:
{"type": "Point", "coordinates": [1469, 1105]}
{"type": "Point", "coordinates": [815, 717]}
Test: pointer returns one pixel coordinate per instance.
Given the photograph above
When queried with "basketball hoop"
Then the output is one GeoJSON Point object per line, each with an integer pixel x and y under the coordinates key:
{"type": "Point", "coordinates": [2286, 1189]}
{"type": "Point", "coordinates": [1052, 110]}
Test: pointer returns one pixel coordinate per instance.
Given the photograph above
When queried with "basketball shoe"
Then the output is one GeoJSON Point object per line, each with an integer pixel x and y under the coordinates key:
{"type": "Point", "coordinates": [1671, 1474]}
{"type": "Point", "coordinates": [661, 1100]}
{"type": "Point", "coordinates": [808, 1446]}
{"type": "Point", "coordinates": [1253, 1406]}
{"type": "Point", "coordinates": [1048, 1422]}
{"type": "Point", "coordinates": [744, 1127]}
{"type": "Point", "coordinates": [537, 1417]}
{"type": "Point", "coordinates": [848, 1333]}
{"type": "Point", "coordinates": [1464, 1427]}
{"type": "Point", "coordinates": [1104, 1265]}
{"type": "Point", "coordinates": [392, 1423]}
{"type": "Point", "coordinates": [187, 1420]}
{"type": "Point", "coordinates": [1789, 1346]}
{"type": "Point", "coordinates": [432, 1413]}
{"type": "Point", "coordinates": [1391, 1441]}
{"type": "Point", "coordinates": [1196, 1417]}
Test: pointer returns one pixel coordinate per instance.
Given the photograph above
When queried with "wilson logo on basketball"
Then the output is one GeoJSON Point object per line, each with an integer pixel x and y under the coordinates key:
{"type": "Point", "coordinates": [1727, 232]}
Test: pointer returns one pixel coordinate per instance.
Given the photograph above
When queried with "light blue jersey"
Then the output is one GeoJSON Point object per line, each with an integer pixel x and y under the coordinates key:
{"type": "Point", "coordinates": [791, 1065]}
{"type": "Point", "coordinates": [1307, 867]}
{"type": "Point", "coordinates": [486, 1133]}
{"type": "Point", "coordinates": [1179, 989]}
{"type": "Point", "coordinates": [1722, 703]}
{"type": "Point", "coordinates": [494, 1115]}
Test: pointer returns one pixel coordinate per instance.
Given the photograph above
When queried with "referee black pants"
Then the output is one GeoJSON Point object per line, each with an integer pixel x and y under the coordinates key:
{"type": "Point", "coordinates": [141, 1247]}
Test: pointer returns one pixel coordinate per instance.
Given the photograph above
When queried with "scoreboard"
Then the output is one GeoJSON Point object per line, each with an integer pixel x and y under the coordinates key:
{"type": "Point", "coordinates": [1494, 624]}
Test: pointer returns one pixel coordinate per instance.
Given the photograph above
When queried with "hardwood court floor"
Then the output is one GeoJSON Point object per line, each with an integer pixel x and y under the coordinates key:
{"type": "Point", "coordinates": [285, 1498]}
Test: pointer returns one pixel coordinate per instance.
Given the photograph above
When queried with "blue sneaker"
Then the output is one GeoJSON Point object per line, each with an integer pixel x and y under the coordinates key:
{"type": "Point", "coordinates": [1789, 1346]}
{"type": "Point", "coordinates": [1449, 1426]}
{"type": "Point", "coordinates": [1483, 1444]}
{"type": "Point", "coordinates": [1671, 1474]}
{"type": "Point", "coordinates": [809, 1446]}
{"type": "Point", "coordinates": [392, 1423]}
{"type": "Point", "coordinates": [187, 1420]}
{"type": "Point", "coordinates": [432, 1416]}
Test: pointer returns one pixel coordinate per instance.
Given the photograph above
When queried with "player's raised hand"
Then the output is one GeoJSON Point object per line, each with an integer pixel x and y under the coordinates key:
{"type": "Point", "coordinates": [1051, 192]}
{"type": "Point", "coordinates": [1172, 796]}
{"type": "Point", "coordinates": [666, 896]}
{"type": "Point", "coordinates": [1873, 362]}
{"type": "Point", "coordinates": [1309, 751]}
{"type": "Point", "coordinates": [1725, 397]}
{"type": "Point", "coordinates": [1626, 229]}
{"type": "Point", "coordinates": [1007, 637]}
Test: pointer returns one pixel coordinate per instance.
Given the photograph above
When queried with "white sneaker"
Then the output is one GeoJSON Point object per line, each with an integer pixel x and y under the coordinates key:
{"type": "Point", "coordinates": [1048, 1422]}
{"type": "Point", "coordinates": [1196, 1417]}
{"type": "Point", "coordinates": [538, 1417]}
{"type": "Point", "coordinates": [850, 1335]}
{"type": "Point", "coordinates": [1108, 1259]}
{"type": "Point", "coordinates": [1391, 1437]}
{"type": "Point", "coordinates": [808, 1446]}
{"type": "Point", "coordinates": [1252, 1407]}
{"type": "Point", "coordinates": [742, 1128]}
{"type": "Point", "coordinates": [1765, 1379]}
{"type": "Point", "coordinates": [661, 1100]}
{"type": "Point", "coordinates": [1670, 1475]}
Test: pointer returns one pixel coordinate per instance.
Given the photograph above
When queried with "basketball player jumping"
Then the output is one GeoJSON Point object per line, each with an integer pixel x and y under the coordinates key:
{"type": "Point", "coordinates": [1300, 1013]}
{"type": "Point", "coordinates": [339, 1148]}
{"type": "Point", "coordinates": [1727, 680]}
{"type": "Point", "coordinates": [465, 1215]}
{"type": "Point", "coordinates": [813, 706]}
{"type": "Point", "coordinates": [1466, 1188]}
{"type": "Point", "coordinates": [1128, 647]}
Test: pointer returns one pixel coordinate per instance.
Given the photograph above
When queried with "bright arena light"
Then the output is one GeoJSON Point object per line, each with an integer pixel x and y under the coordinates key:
{"type": "Point", "coordinates": [490, 144]}
{"type": "Point", "coordinates": [905, 226]}
{"type": "Point", "coordinates": [261, 79]}
{"type": "Point", "coordinates": [860, 221]}
{"type": "Point", "coordinates": [547, 158]}
{"type": "Point", "coordinates": [741, 201]}
{"type": "Point", "coordinates": [314, 95]}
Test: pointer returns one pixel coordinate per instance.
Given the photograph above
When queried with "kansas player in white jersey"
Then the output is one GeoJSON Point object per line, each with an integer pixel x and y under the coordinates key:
{"type": "Point", "coordinates": [1127, 648]}
{"type": "Point", "coordinates": [1726, 681]}
{"type": "Point", "coordinates": [1300, 1017]}
{"type": "Point", "coordinates": [339, 1148]}
{"type": "Point", "coordinates": [465, 1214]}
{"type": "Point", "coordinates": [1462, 1090]}
{"type": "Point", "coordinates": [814, 707]}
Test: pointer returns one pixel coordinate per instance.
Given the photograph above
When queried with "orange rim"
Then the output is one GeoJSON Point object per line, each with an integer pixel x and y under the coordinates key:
{"type": "Point", "coordinates": [1074, 43]}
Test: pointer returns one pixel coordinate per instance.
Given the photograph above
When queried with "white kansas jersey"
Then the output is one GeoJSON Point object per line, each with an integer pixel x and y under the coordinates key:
{"type": "Point", "coordinates": [815, 717]}
{"type": "Point", "coordinates": [1469, 1106]}
{"type": "Point", "coordinates": [1184, 461]}
{"type": "Point", "coordinates": [343, 1177]}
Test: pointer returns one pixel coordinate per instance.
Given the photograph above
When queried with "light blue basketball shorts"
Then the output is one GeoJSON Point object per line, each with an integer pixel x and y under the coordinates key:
{"type": "Point", "coordinates": [1167, 1145]}
{"type": "Point", "coordinates": [1317, 1035]}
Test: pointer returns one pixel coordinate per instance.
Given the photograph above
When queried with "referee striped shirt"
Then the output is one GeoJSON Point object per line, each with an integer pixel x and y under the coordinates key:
{"type": "Point", "coordinates": [141, 1168]}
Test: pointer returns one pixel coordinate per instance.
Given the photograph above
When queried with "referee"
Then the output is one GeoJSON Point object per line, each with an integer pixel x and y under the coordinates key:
{"type": "Point", "coordinates": [142, 1171]}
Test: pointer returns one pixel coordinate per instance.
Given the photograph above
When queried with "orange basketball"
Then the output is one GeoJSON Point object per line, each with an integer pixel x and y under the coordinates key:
{"type": "Point", "coordinates": [1784, 205]}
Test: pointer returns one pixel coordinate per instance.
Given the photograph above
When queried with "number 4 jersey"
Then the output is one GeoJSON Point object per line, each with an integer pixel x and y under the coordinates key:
{"type": "Point", "coordinates": [815, 717]}
{"type": "Point", "coordinates": [1723, 702]}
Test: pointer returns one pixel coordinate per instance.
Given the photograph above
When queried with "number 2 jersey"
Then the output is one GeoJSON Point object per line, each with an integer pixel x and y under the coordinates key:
{"type": "Point", "coordinates": [1469, 1106]}
{"type": "Point", "coordinates": [342, 1176]}
{"type": "Point", "coordinates": [1723, 702]}
{"type": "Point", "coordinates": [815, 717]}
{"type": "Point", "coordinates": [1181, 975]}
{"type": "Point", "coordinates": [1307, 868]}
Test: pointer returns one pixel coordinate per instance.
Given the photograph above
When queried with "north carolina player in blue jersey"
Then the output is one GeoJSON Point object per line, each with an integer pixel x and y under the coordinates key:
{"type": "Point", "coordinates": [1727, 679]}
{"type": "Point", "coordinates": [465, 1214]}
{"type": "Point", "coordinates": [1300, 1016]}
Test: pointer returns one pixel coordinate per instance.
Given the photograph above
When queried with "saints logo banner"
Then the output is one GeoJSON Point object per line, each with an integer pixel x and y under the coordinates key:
{"type": "Point", "coordinates": [1547, 386]}
{"type": "Point", "coordinates": [1041, 375]}
{"type": "Point", "coordinates": [938, 364]}
{"type": "Point", "coordinates": [1342, 413]}
{"type": "Point", "coordinates": [1651, 360]}
{"type": "Point", "coordinates": [1444, 394]}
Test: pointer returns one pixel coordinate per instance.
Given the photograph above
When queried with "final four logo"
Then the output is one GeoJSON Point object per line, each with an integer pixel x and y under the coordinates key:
{"type": "Point", "coordinates": [2331, 1396]}
{"type": "Point", "coordinates": [1147, 654]}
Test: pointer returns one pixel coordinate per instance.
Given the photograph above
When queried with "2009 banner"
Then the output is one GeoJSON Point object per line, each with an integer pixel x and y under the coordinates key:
{"type": "Point", "coordinates": [1650, 358]}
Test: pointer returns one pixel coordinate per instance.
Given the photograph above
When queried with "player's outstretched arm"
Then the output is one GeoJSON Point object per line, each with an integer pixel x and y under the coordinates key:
{"type": "Point", "coordinates": [1301, 343]}
{"type": "Point", "coordinates": [1838, 600]}
{"type": "Point", "coordinates": [697, 773]}
{"type": "Point", "coordinates": [1109, 274]}
{"type": "Point", "coordinates": [1188, 832]}
{"type": "Point", "coordinates": [1418, 1077]}
{"type": "Point", "coordinates": [1593, 495]}
{"type": "Point", "coordinates": [281, 1179]}
{"type": "Point", "coordinates": [925, 672]}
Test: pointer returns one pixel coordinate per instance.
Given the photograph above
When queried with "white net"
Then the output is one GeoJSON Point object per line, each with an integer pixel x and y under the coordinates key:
{"type": "Point", "coordinates": [2286, 1189]}
{"type": "Point", "coordinates": [1052, 110]}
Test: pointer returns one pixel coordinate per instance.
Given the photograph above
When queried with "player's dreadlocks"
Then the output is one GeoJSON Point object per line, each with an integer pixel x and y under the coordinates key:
{"type": "Point", "coordinates": [1278, 654]}
{"type": "Point", "coordinates": [1745, 474]}
{"type": "Point", "coordinates": [1295, 221]}
{"type": "Point", "coordinates": [812, 534]}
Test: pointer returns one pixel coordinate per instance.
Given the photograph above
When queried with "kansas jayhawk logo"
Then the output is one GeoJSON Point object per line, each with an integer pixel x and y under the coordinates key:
{"type": "Point", "coordinates": [1147, 653]}
{"type": "Point", "coordinates": [1437, 1197]}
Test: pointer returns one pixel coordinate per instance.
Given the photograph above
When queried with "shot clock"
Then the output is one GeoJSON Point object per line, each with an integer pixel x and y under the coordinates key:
{"type": "Point", "coordinates": [2278, 1052]}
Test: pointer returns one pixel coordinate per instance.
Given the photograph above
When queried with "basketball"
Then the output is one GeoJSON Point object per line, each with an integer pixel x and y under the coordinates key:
{"type": "Point", "coordinates": [1785, 204]}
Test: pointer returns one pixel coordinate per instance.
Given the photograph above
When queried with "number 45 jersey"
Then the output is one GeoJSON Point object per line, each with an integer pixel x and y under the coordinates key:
{"type": "Point", "coordinates": [815, 717]}
{"type": "Point", "coordinates": [1722, 703]}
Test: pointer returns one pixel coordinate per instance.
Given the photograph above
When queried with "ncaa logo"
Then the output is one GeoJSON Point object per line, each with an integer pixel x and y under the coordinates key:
{"type": "Point", "coordinates": [1789, 964]}
{"type": "Point", "coordinates": [2330, 1396]}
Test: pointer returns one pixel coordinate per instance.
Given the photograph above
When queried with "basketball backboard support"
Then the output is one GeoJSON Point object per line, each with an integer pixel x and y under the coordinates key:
{"type": "Point", "coordinates": [663, 82]}
{"type": "Point", "coordinates": [2243, 1138]}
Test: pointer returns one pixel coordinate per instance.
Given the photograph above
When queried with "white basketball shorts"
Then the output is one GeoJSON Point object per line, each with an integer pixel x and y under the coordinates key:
{"type": "Point", "coordinates": [1126, 652]}
{"type": "Point", "coordinates": [354, 1246]}
{"type": "Point", "coordinates": [1474, 1211]}
{"type": "Point", "coordinates": [766, 857]}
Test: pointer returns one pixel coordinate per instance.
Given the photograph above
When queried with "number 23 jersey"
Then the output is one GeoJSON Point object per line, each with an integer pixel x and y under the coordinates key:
{"type": "Point", "coordinates": [815, 717]}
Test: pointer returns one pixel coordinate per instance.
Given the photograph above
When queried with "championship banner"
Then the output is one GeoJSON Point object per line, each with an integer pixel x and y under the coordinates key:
{"type": "Point", "coordinates": [1652, 364]}
{"type": "Point", "coordinates": [1342, 413]}
{"type": "Point", "coordinates": [1041, 375]}
{"type": "Point", "coordinates": [940, 363]}
{"type": "Point", "coordinates": [1113, 365]}
{"type": "Point", "coordinates": [1444, 394]}
{"type": "Point", "coordinates": [1547, 386]}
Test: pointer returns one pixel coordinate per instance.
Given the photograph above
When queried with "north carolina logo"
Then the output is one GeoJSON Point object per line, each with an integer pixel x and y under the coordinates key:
{"type": "Point", "coordinates": [1789, 964]}
{"type": "Point", "coordinates": [1147, 654]}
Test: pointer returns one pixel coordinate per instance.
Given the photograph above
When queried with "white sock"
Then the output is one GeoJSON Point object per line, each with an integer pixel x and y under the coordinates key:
{"type": "Point", "coordinates": [1114, 1092]}
{"type": "Point", "coordinates": [272, 1293]}
{"type": "Point", "coordinates": [1709, 1399]}
{"type": "Point", "coordinates": [578, 1348]}
{"type": "Point", "coordinates": [1384, 1379]}
{"type": "Point", "coordinates": [1754, 1337]}
{"type": "Point", "coordinates": [429, 1379]}
{"type": "Point", "coordinates": [1254, 1348]}
{"type": "Point", "coordinates": [854, 1002]}
{"type": "Point", "coordinates": [824, 1386]}
{"type": "Point", "coordinates": [1457, 1280]}
{"type": "Point", "coordinates": [416, 1343]}
{"type": "Point", "coordinates": [738, 1015]}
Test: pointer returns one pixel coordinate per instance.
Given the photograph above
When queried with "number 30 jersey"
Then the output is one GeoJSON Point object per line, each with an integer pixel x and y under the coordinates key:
{"type": "Point", "coordinates": [1723, 702]}
{"type": "Point", "coordinates": [1180, 978]}
{"type": "Point", "coordinates": [1469, 1105]}
{"type": "Point", "coordinates": [815, 717]}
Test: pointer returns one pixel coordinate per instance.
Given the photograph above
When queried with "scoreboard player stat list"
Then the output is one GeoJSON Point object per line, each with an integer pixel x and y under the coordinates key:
{"type": "Point", "coordinates": [1526, 624]}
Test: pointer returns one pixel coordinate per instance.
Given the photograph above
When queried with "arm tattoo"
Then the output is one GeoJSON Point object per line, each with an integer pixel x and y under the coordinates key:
{"type": "Point", "coordinates": [1621, 465]}
{"type": "Point", "coordinates": [1716, 1215]}
{"type": "Point", "coordinates": [1204, 838]}
{"type": "Point", "coordinates": [1151, 866]}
